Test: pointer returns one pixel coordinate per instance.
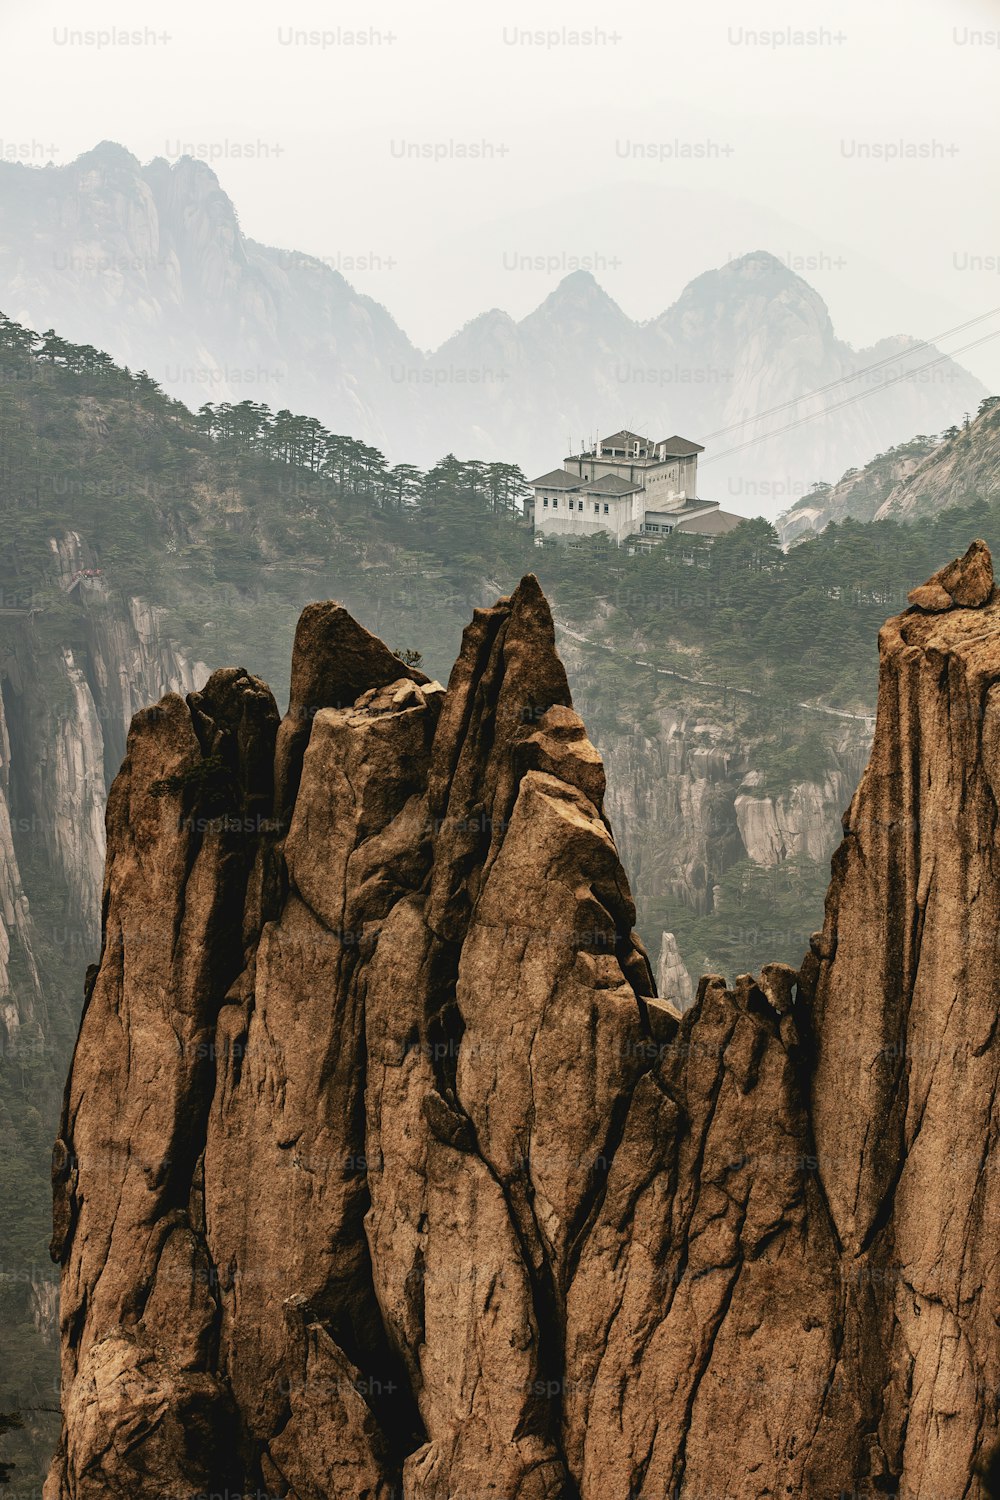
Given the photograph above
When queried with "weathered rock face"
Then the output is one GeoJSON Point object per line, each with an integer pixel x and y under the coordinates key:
{"type": "Point", "coordinates": [68, 711]}
{"type": "Point", "coordinates": [904, 1089]}
{"type": "Point", "coordinates": [382, 1171]}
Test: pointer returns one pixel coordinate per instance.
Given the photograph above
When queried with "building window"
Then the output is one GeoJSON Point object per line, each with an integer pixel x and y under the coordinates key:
{"type": "Point", "coordinates": [605, 510]}
{"type": "Point", "coordinates": [597, 508]}
{"type": "Point", "coordinates": [545, 502]}
{"type": "Point", "coordinates": [555, 504]}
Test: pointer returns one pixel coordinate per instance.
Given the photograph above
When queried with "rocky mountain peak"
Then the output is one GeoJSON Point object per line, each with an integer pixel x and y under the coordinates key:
{"type": "Point", "coordinates": [759, 291]}
{"type": "Point", "coordinates": [383, 1171]}
{"type": "Point", "coordinates": [577, 302]}
{"type": "Point", "coordinates": [762, 266]}
{"type": "Point", "coordinates": [577, 284]}
{"type": "Point", "coordinates": [108, 154]}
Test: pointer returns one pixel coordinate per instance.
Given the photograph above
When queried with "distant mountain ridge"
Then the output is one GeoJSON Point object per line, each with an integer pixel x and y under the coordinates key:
{"type": "Point", "coordinates": [149, 262]}
{"type": "Point", "coordinates": [910, 482]}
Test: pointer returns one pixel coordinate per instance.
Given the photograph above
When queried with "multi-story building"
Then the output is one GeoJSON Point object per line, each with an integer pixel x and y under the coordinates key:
{"type": "Point", "coordinates": [630, 487]}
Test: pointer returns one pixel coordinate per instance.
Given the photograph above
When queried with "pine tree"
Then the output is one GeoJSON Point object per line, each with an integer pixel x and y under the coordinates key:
{"type": "Point", "coordinates": [10, 1421]}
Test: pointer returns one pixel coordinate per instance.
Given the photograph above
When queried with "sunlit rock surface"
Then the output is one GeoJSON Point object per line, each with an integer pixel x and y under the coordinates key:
{"type": "Point", "coordinates": [383, 1172]}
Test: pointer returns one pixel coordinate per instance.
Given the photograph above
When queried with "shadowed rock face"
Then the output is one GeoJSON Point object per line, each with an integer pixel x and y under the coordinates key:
{"type": "Point", "coordinates": [383, 1173]}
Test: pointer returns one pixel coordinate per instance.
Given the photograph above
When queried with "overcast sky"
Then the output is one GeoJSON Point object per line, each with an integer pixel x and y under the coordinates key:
{"type": "Point", "coordinates": [649, 142]}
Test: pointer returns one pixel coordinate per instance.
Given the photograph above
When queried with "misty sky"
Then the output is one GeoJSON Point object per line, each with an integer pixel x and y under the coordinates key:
{"type": "Point", "coordinates": [865, 155]}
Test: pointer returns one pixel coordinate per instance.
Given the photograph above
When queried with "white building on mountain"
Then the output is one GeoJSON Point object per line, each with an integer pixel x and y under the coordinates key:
{"type": "Point", "coordinates": [630, 487]}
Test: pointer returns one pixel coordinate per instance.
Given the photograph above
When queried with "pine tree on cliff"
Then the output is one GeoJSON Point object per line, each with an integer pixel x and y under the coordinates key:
{"type": "Point", "coordinates": [10, 1421]}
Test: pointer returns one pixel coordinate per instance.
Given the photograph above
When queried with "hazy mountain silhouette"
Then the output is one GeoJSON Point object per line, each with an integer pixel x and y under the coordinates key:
{"type": "Point", "coordinates": [149, 262]}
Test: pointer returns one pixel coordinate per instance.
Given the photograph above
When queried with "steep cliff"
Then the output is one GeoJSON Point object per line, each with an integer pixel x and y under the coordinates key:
{"type": "Point", "coordinates": [382, 1170]}
{"type": "Point", "coordinates": [965, 467]}
{"type": "Point", "coordinates": [70, 704]}
{"type": "Point", "coordinates": [71, 676]}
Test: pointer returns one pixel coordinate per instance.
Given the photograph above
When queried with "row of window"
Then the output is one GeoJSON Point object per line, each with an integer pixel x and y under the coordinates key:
{"type": "Point", "coordinates": [579, 506]}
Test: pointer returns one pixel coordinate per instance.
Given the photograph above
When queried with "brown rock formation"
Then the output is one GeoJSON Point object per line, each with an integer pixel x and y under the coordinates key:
{"type": "Point", "coordinates": [967, 581]}
{"type": "Point", "coordinates": [383, 1173]}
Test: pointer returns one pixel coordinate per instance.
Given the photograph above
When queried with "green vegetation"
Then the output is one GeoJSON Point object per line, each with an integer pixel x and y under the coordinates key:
{"type": "Point", "coordinates": [763, 916]}
{"type": "Point", "coordinates": [32, 1074]}
{"type": "Point", "coordinates": [9, 1422]}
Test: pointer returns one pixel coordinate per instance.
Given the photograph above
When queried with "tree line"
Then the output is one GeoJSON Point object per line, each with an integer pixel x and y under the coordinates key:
{"type": "Point", "coordinates": [350, 467]}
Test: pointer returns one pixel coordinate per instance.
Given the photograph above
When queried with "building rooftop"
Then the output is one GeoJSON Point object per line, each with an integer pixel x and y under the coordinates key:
{"type": "Point", "coordinates": [674, 447]}
{"type": "Point", "coordinates": [557, 479]}
{"type": "Point", "coordinates": [710, 523]}
{"type": "Point", "coordinates": [608, 484]}
{"type": "Point", "coordinates": [625, 439]}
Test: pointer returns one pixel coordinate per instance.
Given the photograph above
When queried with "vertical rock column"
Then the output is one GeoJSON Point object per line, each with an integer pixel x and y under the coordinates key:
{"type": "Point", "coordinates": [904, 1095]}
{"type": "Point", "coordinates": [139, 1316]}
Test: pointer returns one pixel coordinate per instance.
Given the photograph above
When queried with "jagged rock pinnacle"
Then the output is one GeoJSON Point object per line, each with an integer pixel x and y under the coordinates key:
{"type": "Point", "coordinates": [967, 582]}
{"type": "Point", "coordinates": [383, 1172]}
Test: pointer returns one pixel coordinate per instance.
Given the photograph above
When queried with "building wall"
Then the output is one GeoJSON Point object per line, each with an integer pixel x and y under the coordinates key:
{"type": "Point", "coordinates": [675, 479]}
{"type": "Point", "coordinates": [559, 521]}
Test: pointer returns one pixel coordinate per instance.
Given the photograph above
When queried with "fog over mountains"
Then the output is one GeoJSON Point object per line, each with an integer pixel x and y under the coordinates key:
{"type": "Point", "coordinates": [149, 262]}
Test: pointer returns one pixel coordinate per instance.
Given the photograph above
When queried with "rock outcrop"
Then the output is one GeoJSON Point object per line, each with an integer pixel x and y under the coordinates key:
{"type": "Point", "coordinates": [672, 977]}
{"type": "Point", "coordinates": [383, 1172]}
{"type": "Point", "coordinates": [967, 581]}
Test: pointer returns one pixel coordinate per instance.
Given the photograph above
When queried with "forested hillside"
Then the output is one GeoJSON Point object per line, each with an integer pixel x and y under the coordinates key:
{"type": "Point", "coordinates": [211, 513]}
